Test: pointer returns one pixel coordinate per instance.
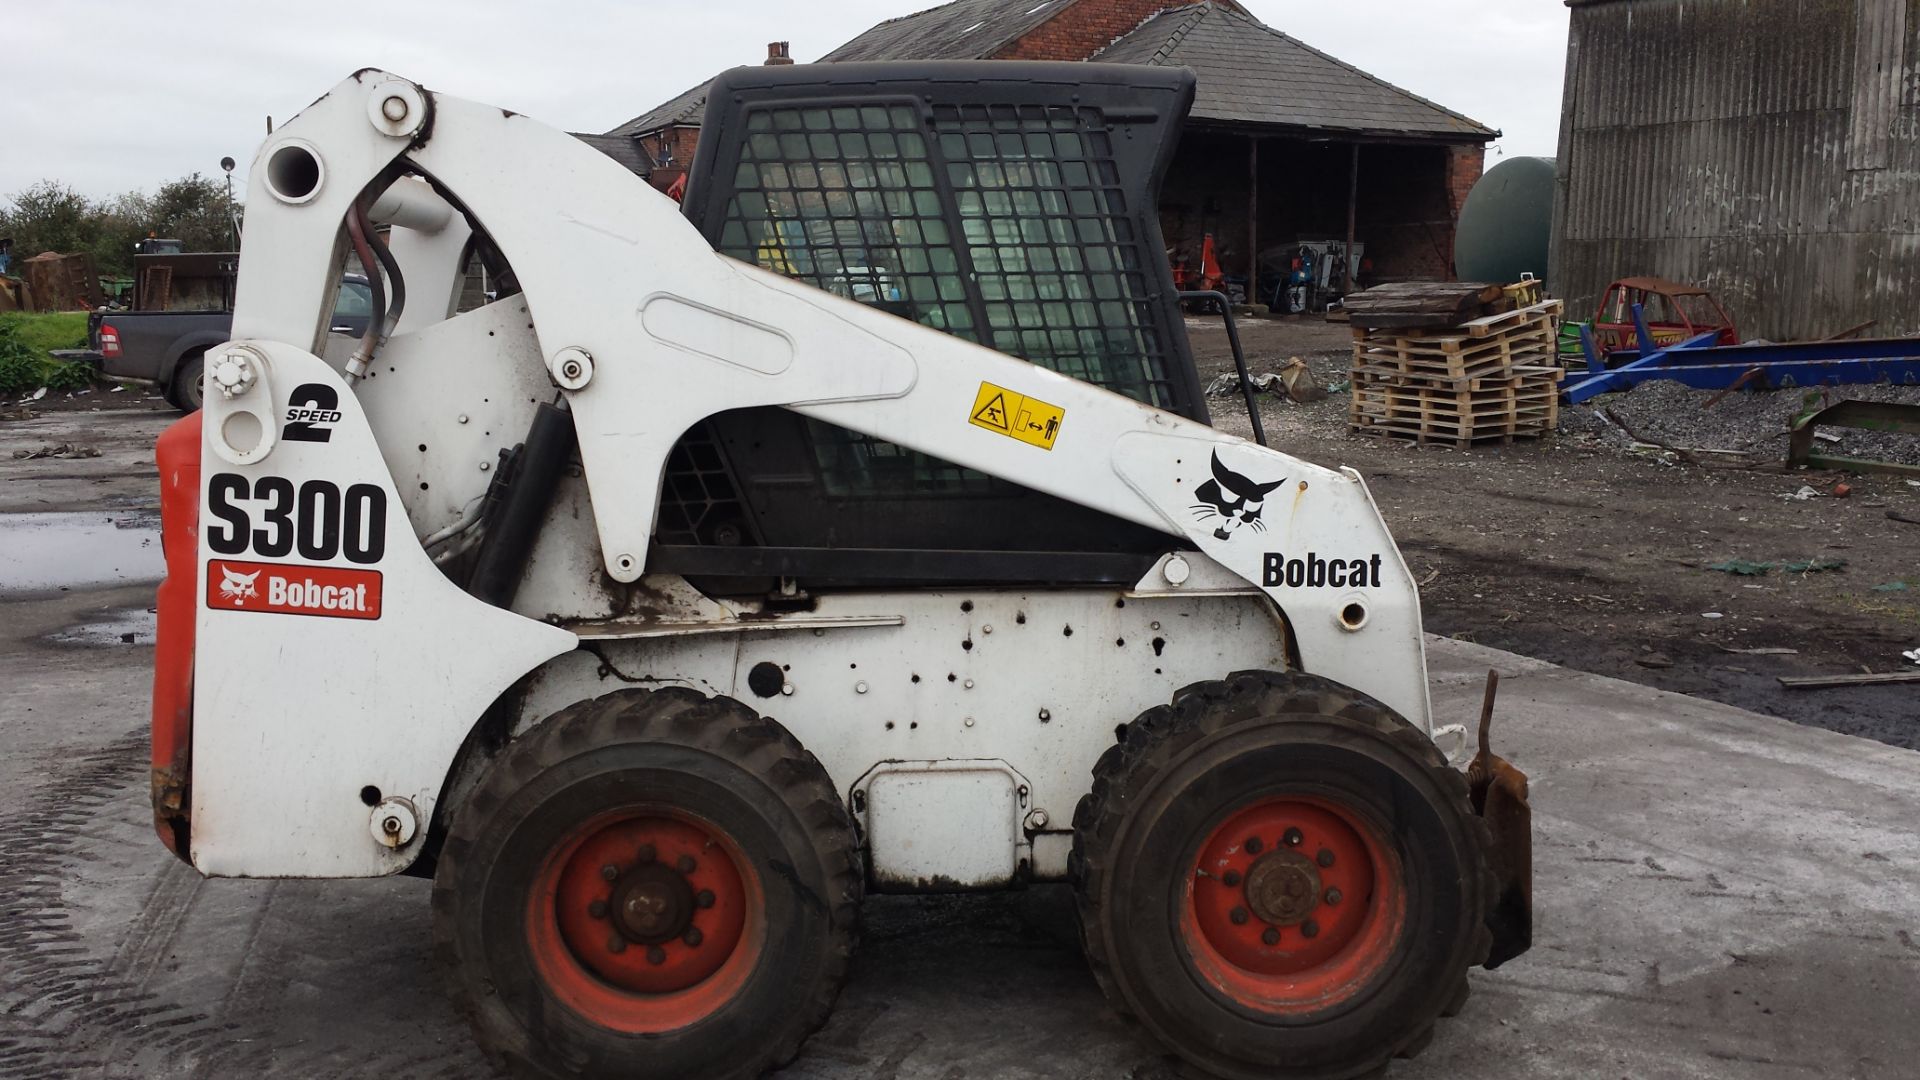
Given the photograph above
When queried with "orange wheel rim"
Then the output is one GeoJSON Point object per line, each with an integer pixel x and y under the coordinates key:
{"type": "Point", "coordinates": [646, 920]}
{"type": "Point", "coordinates": [1292, 905]}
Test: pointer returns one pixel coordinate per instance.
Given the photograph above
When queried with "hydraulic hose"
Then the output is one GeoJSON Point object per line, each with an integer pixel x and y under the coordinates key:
{"type": "Point", "coordinates": [358, 231]}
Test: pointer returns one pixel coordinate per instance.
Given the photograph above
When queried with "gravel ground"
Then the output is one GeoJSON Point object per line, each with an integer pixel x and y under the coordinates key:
{"type": "Point", "coordinates": [1585, 551]}
{"type": "Point", "coordinates": [1747, 421]}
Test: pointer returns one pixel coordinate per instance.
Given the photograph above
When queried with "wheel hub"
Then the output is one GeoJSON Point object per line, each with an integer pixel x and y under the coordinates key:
{"type": "Point", "coordinates": [652, 904]}
{"type": "Point", "coordinates": [1293, 898]}
{"type": "Point", "coordinates": [649, 903]}
{"type": "Point", "coordinates": [1283, 887]}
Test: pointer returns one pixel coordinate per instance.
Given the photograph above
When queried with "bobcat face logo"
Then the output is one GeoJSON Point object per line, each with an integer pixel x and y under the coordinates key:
{"type": "Point", "coordinates": [237, 587]}
{"type": "Point", "coordinates": [1234, 499]}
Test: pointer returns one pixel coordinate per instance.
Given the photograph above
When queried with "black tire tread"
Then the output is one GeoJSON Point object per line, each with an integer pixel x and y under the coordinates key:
{"type": "Point", "coordinates": [183, 373]}
{"type": "Point", "coordinates": [722, 726]}
{"type": "Point", "coordinates": [1149, 743]}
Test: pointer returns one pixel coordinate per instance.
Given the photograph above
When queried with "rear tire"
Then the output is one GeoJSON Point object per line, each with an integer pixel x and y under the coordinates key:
{"type": "Point", "coordinates": [1279, 877]}
{"type": "Point", "coordinates": [651, 884]}
{"type": "Point", "coordinates": [187, 391]}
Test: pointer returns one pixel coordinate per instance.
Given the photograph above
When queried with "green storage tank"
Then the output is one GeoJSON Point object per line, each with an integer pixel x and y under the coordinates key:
{"type": "Point", "coordinates": [1506, 222]}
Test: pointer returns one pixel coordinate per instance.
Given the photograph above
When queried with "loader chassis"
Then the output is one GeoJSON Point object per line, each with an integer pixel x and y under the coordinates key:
{"type": "Point", "coordinates": [446, 612]}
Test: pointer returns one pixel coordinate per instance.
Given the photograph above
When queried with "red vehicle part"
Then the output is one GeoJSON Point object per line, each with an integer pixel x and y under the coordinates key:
{"type": "Point", "coordinates": [641, 922]}
{"type": "Point", "coordinates": [1211, 276]}
{"type": "Point", "coordinates": [178, 455]}
{"type": "Point", "coordinates": [1674, 313]}
{"type": "Point", "coordinates": [1294, 905]}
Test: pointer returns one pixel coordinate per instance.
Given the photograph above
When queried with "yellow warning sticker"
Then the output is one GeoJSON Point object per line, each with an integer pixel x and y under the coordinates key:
{"type": "Point", "coordinates": [1017, 416]}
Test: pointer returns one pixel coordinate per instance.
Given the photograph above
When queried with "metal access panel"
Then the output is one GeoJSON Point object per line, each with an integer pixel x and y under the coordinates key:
{"type": "Point", "coordinates": [1011, 204]}
{"type": "Point", "coordinates": [943, 825]}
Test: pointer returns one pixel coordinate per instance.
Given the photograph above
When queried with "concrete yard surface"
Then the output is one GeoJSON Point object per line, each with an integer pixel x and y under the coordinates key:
{"type": "Point", "coordinates": [1719, 894]}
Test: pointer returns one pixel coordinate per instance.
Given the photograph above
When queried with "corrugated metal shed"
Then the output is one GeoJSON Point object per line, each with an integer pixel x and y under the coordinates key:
{"type": "Point", "coordinates": [1770, 151]}
{"type": "Point", "coordinates": [1251, 73]}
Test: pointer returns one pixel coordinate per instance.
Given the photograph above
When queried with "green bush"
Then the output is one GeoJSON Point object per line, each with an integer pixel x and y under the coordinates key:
{"type": "Point", "coordinates": [67, 375]}
{"type": "Point", "coordinates": [18, 374]}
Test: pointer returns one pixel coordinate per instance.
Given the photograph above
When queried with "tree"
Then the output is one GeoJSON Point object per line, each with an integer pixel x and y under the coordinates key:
{"type": "Point", "coordinates": [50, 216]}
{"type": "Point", "coordinates": [195, 211]}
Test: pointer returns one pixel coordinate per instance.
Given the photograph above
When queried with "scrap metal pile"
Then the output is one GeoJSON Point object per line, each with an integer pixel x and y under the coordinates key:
{"type": "Point", "coordinates": [1454, 363]}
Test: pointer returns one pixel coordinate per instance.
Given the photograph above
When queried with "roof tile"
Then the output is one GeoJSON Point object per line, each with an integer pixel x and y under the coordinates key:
{"type": "Point", "coordinates": [1250, 73]}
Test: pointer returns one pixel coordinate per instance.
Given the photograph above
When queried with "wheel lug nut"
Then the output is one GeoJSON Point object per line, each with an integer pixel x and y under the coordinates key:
{"type": "Point", "coordinates": [597, 909]}
{"type": "Point", "coordinates": [645, 854]}
{"type": "Point", "coordinates": [1293, 838]}
{"type": "Point", "coordinates": [1252, 845]}
{"type": "Point", "coordinates": [703, 898]}
{"type": "Point", "coordinates": [1231, 877]}
{"type": "Point", "coordinates": [692, 936]}
{"type": "Point", "coordinates": [1324, 858]}
{"type": "Point", "coordinates": [1310, 929]}
{"type": "Point", "coordinates": [1238, 915]}
{"type": "Point", "coordinates": [1333, 896]}
{"type": "Point", "coordinates": [656, 955]}
{"type": "Point", "coordinates": [685, 864]}
{"type": "Point", "coordinates": [1271, 936]}
{"type": "Point", "coordinates": [616, 944]}
{"type": "Point", "coordinates": [609, 871]}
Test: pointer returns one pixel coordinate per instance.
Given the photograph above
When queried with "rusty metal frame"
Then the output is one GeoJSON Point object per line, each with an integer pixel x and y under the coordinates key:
{"type": "Point", "coordinates": [1890, 416]}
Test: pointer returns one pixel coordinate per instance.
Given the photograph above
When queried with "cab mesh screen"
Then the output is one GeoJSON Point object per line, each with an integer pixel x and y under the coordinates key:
{"type": "Point", "coordinates": [1002, 224]}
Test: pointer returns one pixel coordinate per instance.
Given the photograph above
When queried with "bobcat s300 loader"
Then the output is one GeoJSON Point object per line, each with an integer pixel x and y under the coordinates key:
{"type": "Point", "coordinates": [857, 529]}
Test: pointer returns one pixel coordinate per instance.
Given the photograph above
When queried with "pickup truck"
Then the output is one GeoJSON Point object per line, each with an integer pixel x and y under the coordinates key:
{"type": "Point", "coordinates": [167, 348]}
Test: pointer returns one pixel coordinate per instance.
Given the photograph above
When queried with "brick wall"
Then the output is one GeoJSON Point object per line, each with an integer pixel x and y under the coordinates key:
{"type": "Point", "coordinates": [1465, 163]}
{"type": "Point", "coordinates": [1082, 28]}
{"type": "Point", "coordinates": [682, 141]}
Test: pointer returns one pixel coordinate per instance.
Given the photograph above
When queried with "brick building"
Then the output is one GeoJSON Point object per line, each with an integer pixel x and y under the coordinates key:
{"type": "Point", "coordinates": [1285, 144]}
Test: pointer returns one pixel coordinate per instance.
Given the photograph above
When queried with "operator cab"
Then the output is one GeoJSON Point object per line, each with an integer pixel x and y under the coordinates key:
{"type": "Point", "coordinates": [967, 199]}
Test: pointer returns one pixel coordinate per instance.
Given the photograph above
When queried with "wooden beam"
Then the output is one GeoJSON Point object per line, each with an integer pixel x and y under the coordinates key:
{"type": "Point", "coordinates": [1353, 203]}
{"type": "Point", "coordinates": [1820, 682]}
{"type": "Point", "coordinates": [1253, 219]}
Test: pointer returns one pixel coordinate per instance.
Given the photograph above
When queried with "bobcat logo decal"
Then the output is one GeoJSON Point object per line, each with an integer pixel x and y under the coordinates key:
{"type": "Point", "coordinates": [1234, 499]}
{"type": "Point", "coordinates": [237, 587]}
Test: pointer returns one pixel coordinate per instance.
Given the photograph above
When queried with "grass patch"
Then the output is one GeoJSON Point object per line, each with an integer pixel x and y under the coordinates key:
{"type": "Point", "coordinates": [1898, 606]}
{"type": "Point", "coordinates": [27, 342]}
{"type": "Point", "coordinates": [45, 333]}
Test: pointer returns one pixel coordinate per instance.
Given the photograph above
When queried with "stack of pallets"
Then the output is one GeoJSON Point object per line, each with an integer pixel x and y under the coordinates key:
{"type": "Point", "coordinates": [1489, 377]}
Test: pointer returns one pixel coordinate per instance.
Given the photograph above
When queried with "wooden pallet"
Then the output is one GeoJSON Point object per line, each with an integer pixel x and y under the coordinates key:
{"type": "Point", "coordinates": [1456, 358]}
{"type": "Point", "coordinates": [1485, 326]}
{"type": "Point", "coordinates": [1493, 324]}
{"type": "Point", "coordinates": [1522, 404]}
{"type": "Point", "coordinates": [1521, 376]}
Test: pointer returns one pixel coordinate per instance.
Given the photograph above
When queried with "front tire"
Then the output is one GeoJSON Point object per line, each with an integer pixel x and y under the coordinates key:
{"type": "Point", "coordinates": [1279, 877]}
{"type": "Point", "coordinates": [651, 884]}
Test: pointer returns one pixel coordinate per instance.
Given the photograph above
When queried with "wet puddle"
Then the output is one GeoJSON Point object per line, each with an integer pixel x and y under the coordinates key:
{"type": "Point", "coordinates": [79, 550]}
{"type": "Point", "coordinates": [125, 626]}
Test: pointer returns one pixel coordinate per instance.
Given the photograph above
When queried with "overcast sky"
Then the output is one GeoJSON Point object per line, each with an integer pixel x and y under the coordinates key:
{"type": "Point", "coordinates": [109, 96]}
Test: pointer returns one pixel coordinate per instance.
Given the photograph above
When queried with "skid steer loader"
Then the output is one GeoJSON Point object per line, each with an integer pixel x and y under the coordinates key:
{"type": "Point", "coordinates": [857, 529]}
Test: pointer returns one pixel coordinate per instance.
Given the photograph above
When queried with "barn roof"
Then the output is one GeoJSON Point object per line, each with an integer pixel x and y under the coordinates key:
{"type": "Point", "coordinates": [1251, 74]}
{"type": "Point", "coordinates": [961, 30]}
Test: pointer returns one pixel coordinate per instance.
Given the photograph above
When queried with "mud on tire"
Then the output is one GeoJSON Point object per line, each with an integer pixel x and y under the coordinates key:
{"type": "Point", "coordinates": [1280, 877]}
{"type": "Point", "coordinates": [651, 884]}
